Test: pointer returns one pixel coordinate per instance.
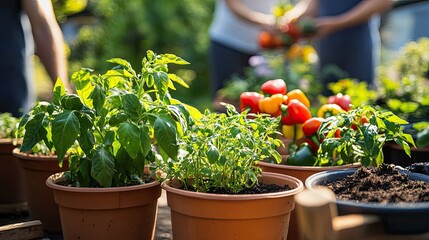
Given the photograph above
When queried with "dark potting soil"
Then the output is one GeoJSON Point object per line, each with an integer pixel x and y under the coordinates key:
{"type": "Point", "coordinates": [257, 189]}
{"type": "Point", "coordinates": [383, 184]}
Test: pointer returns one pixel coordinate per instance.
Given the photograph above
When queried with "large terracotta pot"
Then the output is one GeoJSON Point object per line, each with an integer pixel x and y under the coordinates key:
{"type": "Point", "coordinates": [40, 198]}
{"type": "Point", "coordinates": [302, 173]}
{"type": "Point", "coordinates": [196, 216]}
{"type": "Point", "coordinates": [12, 185]}
{"type": "Point", "coordinates": [106, 213]}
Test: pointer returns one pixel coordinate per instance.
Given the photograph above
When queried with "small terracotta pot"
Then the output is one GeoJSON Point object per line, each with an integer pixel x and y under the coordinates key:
{"type": "Point", "coordinates": [106, 213]}
{"type": "Point", "coordinates": [196, 216]}
{"type": "Point", "coordinates": [40, 198]}
{"type": "Point", "coordinates": [12, 184]}
{"type": "Point", "coordinates": [302, 173]}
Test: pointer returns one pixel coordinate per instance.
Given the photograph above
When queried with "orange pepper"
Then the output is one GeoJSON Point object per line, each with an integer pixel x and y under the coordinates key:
{"type": "Point", "coordinates": [298, 95]}
{"type": "Point", "coordinates": [271, 105]}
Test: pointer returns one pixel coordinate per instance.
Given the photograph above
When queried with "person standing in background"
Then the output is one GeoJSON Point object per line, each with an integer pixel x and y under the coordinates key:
{"type": "Point", "coordinates": [234, 36]}
{"type": "Point", "coordinates": [347, 36]}
{"type": "Point", "coordinates": [28, 26]}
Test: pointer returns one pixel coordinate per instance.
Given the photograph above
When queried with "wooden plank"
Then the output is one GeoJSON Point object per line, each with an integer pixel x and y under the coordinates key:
{"type": "Point", "coordinates": [22, 231]}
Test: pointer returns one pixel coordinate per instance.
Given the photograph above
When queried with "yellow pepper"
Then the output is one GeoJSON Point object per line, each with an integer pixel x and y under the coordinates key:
{"type": "Point", "coordinates": [292, 131]}
{"type": "Point", "coordinates": [298, 95]}
{"type": "Point", "coordinates": [328, 110]}
{"type": "Point", "coordinates": [271, 105]}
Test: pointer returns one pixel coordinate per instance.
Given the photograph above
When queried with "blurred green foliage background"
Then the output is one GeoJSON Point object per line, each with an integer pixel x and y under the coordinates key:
{"type": "Point", "coordinates": [128, 28]}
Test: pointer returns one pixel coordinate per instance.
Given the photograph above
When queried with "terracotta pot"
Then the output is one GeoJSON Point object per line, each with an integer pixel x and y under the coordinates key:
{"type": "Point", "coordinates": [40, 198]}
{"type": "Point", "coordinates": [196, 216]}
{"type": "Point", "coordinates": [395, 154]}
{"type": "Point", "coordinates": [12, 184]}
{"type": "Point", "coordinates": [302, 173]}
{"type": "Point", "coordinates": [106, 213]}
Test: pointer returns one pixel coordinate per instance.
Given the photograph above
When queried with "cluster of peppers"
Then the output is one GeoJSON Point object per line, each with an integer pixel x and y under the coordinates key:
{"type": "Point", "coordinates": [306, 154]}
{"type": "Point", "coordinates": [292, 106]}
{"type": "Point", "coordinates": [288, 34]}
{"type": "Point", "coordinates": [296, 121]}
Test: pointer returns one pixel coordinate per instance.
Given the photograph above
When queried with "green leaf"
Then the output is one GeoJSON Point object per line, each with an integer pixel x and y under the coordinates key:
{"type": "Point", "coordinates": [132, 106]}
{"type": "Point", "coordinates": [82, 81]}
{"type": "Point", "coordinates": [124, 64]}
{"type": "Point", "coordinates": [71, 102]}
{"type": "Point", "coordinates": [165, 135]}
{"type": "Point", "coordinates": [65, 130]}
{"type": "Point", "coordinates": [84, 170]}
{"type": "Point", "coordinates": [103, 167]}
{"type": "Point", "coordinates": [59, 91]}
{"type": "Point", "coordinates": [129, 137]}
{"type": "Point", "coordinates": [34, 132]}
{"type": "Point", "coordinates": [173, 77]}
{"type": "Point", "coordinates": [145, 139]}
{"type": "Point", "coordinates": [171, 58]}
{"type": "Point", "coordinates": [87, 141]}
{"type": "Point", "coordinates": [98, 96]}
{"type": "Point", "coordinates": [161, 83]}
{"type": "Point", "coordinates": [118, 118]}
{"type": "Point", "coordinates": [395, 119]}
{"type": "Point", "coordinates": [423, 138]}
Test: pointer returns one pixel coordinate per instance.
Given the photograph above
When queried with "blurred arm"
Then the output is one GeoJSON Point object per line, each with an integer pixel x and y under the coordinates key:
{"type": "Point", "coordinates": [249, 15]}
{"type": "Point", "coordinates": [48, 38]}
{"type": "Point", "coordinates": [359, 14]}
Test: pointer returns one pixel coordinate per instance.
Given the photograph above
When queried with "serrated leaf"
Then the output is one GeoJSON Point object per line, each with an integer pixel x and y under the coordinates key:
{"type": "Point", "coordinates": [65, 130]}
{"type": "Point", "coordinates": [129, 137]}
{"type": "Point", "coordinates": [124, 64]}
{"type": "Point", "coordinates": [103, 167]}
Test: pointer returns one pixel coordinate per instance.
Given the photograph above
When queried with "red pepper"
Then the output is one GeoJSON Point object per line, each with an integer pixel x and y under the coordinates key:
{"type": "Point", "coordinates": [250, 100]}
{"type": "Point", "coordinates": [274, 86]}
{"type": "Point", "coordinates": [295, 113]}
{"type": "Point", "coordinates": [341, 100]}
{"type": "Point", "coordinates": [310, 128]}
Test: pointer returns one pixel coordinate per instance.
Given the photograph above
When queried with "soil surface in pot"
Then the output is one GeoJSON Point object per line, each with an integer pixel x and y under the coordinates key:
{"type": "Point", "coordinates": [383, 184]}
{"type": "Point", "coordinates": [257, 189]}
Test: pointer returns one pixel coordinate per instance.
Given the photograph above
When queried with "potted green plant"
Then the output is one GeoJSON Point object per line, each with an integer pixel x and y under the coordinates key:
{"type": "Point", "coordinates": [38, 164]}
{"type": "Point", "coordinates": [12, 190]}
{"type": "Point", "coordinates": [211, 186]}
{"type": "Point", "coordinates": [112, 128]}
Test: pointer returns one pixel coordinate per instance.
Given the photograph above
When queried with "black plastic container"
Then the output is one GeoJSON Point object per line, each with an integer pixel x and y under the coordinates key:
{"type": "Point", "coordinates": [410, 218]}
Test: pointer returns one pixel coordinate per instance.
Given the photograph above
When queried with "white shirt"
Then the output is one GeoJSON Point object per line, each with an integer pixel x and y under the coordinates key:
{"type": "Point", "coordinates": [234, 32]}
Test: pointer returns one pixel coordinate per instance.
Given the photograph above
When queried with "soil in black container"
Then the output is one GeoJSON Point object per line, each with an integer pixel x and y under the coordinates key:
{"type": "Point", "coordinates": [383, 184]}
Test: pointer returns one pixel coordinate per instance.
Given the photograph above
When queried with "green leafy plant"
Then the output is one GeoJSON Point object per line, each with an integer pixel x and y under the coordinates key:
{"type": "Point", "coordinates": [406, 93]}
{"type": "Point", "coordinates": [221, 150]}
{"type": "Point", "coordinates": [115, 124]}
{"type": "Point", "coordinates": [349, 139]}
{"type": "Point", "coordinates": [8, 125]}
